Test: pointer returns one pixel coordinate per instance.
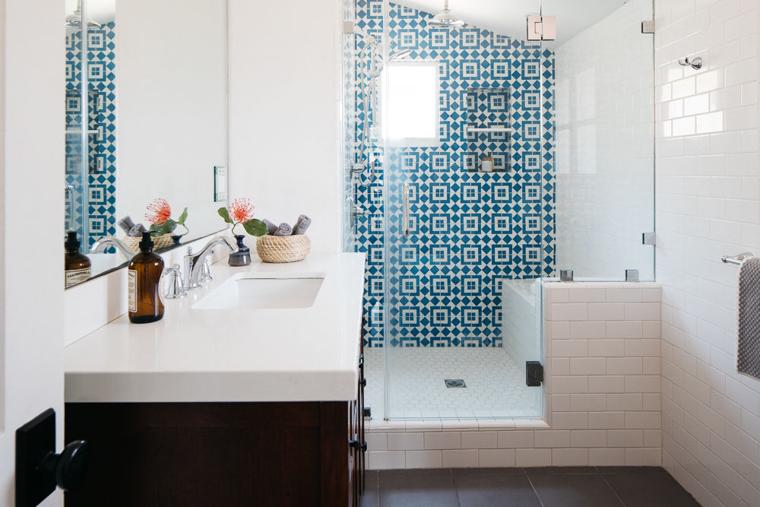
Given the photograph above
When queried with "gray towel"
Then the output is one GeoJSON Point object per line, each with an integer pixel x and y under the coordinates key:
{"type": "Point", "coordinates": [271, 228]}
{"type": "Point", "coordinates": [283, 230]}
{"type": "Point", "coordinates": [748, 354]}
{"type": "Point", "coordinates": [302, 224]}
{"type": "Point", "coordinates": [126, 224]}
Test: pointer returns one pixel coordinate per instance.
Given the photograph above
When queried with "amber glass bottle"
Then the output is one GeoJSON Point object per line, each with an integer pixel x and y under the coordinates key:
{"type": "Point", "coordinates": [144, 272]}
{"type": "Point", "coordinates": [77, 266]}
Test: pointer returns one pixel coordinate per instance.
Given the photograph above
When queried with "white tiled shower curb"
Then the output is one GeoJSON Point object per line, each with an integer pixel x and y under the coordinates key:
{"type": "Point", "coordinates": [602, 394]}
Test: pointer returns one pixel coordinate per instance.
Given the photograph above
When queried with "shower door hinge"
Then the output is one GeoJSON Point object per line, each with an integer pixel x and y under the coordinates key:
{"type": "Point", "coordinates": [534, 373]}
{"type": "Point", "coordinates": [648, 238]}
{"type": "Point", "coordinates": [647, 26]}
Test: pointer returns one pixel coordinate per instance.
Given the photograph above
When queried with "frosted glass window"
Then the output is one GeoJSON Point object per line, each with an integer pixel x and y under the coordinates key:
{"type": "Point", "coordinates": [410, 103]}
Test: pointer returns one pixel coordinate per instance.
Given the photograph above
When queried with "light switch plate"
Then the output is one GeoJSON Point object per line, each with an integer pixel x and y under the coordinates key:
{"type": "Point", "coordinates": [220, 183]}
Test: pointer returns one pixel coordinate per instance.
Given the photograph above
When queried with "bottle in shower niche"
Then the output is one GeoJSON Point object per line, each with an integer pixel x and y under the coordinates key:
{"type": "Point", "coordinates": [76, 265]}
{"type": "Point", "coordinates": [144, 277]}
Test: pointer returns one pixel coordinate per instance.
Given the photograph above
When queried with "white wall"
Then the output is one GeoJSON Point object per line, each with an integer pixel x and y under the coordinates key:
{"type": "Point", "coordinates": [285, 112]}
{"type": "Point", "coordinates": [171, 89]}
{"type": "Point", "coordinates": [708, 204]}
{"type": "Point", "coordinates": [605, 152]}
{"type": "Point", "coordinates": [32, 200]}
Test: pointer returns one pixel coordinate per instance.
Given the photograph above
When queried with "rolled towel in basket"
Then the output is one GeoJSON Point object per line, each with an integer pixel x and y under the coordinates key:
{"type": "Point", "coordinates": [126, 224]}
{"type": "Point", "coordinates": [130, 228]}
{"type": "Point", "coordinates": [283, 230]}
{"type": "Point", "coordinates": [271, 228]}
{"type": "Point", "coordinates": [137, 231]}
{"type": "Point", "coordinates": [302, 224]}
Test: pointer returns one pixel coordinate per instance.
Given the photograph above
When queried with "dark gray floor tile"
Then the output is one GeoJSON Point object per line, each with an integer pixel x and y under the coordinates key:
{"type": "Point", "coordinates": [494, 488]}
{"type": "Point", "coordinates": [371, 479]}
{"type": "Point", "coordinates": [562, 489]}
{"type": "Point", "coordinates": [649, 488]}
{"type": "Point", "coordinates": [417, 488]}
{"type": "Point", "coordinates": [371, 496]}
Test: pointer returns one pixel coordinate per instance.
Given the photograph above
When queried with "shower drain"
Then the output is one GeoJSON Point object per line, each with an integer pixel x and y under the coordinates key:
{"type": "Point", "coordinates": [454, 383]}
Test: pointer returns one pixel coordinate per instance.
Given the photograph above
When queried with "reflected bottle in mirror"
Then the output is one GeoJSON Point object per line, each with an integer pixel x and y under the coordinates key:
{"type": "Point", "coordinates": [77, 265]}
{"type": "Point", "coordinates": [144, 277]}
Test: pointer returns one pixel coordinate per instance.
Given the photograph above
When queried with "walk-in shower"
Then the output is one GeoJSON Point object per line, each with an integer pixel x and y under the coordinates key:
{"type": "Point", "coordinates": [518, 179]}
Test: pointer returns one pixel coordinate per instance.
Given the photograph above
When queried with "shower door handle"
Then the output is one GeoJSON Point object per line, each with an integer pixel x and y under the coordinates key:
{"type": "Point", "coordinates": [405, 218]}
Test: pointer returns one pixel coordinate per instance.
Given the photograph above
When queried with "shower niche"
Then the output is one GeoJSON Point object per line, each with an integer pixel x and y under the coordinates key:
{"type": "Point", "coordinates": [487, 130]}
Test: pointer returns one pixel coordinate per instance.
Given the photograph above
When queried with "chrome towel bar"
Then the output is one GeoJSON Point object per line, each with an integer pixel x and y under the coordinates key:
{"type": "Point", "coordinates": [736, 259]}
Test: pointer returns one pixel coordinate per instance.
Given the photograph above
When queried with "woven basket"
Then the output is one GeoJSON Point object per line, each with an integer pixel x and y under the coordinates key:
{"type": "Point", "coordinates": [278, 249]}
{"type": "Point", "coordinates": [163, 241]}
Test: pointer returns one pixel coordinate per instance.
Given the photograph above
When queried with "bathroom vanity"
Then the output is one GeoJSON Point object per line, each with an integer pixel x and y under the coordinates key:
{"type": "Point", "coordinates": [248, 392]}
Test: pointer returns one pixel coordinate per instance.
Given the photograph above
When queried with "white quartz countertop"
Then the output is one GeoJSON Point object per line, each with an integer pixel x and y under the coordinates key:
{"type": "Point", "coordinates": [232, 355]}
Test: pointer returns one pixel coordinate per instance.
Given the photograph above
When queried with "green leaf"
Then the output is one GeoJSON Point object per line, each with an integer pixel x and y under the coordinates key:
{"type": "Point", "coordinates": [255, 227]}
{"type": "Point", "coordinates": [164, 228]}
{"type": "Point", "coordinates": [225, 215]}
{"type": "Point", "coordinates": [182, 217]}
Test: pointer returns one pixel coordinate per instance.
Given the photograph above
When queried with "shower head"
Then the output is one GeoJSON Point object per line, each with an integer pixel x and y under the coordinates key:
{"type": "Point", "coordinates": [445, 19]}
{"type": "Point", "coordinates": [74, 20]}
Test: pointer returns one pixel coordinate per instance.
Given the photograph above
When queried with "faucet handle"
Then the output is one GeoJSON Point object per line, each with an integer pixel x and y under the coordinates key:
{"type": "Point", "coordinates": [205, 275]}
{"type": "Point", "coordinates": [174, 287]}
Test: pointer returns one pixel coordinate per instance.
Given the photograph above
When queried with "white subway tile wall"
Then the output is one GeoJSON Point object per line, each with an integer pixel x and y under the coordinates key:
{"type": "Point", "coordinates": [603, 409]}
{"type": "Point", "coordinates": [708, 205]}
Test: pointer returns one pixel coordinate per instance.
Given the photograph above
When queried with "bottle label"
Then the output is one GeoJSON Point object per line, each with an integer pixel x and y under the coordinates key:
{"type": "Point", "coordinates": [75, 276]}
{"type": "Point", "coordinates": [132, 283]}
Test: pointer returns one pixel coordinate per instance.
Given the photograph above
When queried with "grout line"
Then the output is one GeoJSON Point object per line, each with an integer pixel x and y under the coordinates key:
{"type": "Point", "coordinates": [535, 491]}
{"type": "Point", "coordinates": [456, 488]}
{"type": "Point", "coordinates": [617, 495]}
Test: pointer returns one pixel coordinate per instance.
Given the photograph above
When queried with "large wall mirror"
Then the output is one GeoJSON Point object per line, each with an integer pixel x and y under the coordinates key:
{"type": "Point", "coordinates": [146, 125]}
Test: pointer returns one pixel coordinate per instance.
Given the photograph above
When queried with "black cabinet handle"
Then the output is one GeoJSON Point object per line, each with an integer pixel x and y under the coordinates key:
{"type": "Point", "coordinates": [363, 382]}
{"type": "Point", "coordinates": [39, 469]}
{"type": "Point", "coordinates": [69, 466]}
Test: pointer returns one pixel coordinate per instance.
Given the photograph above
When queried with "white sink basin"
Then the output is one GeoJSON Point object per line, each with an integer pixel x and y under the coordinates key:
{"type": "Point", "coordinates": [258, 292]}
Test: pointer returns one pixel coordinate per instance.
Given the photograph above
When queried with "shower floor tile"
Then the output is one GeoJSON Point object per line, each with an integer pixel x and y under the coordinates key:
{"type": "Point", "coordinates": [495, 384]}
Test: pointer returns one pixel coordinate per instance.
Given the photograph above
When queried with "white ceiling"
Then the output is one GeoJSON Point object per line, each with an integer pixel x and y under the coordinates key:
{"type": "Point", "coordinates": [102, 11]}
{"type": "Point", "coordinates": [508, 16]}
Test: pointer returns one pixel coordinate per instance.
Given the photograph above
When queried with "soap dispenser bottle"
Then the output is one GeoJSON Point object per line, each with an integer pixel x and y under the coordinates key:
{"type": "Point", "coordinates": [76, 265]}
{"type": "Point", "coordinates": [144, 280]}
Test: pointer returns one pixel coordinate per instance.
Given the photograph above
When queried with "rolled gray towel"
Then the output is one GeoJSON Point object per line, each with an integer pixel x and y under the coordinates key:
{"type": "Point", "coordinates": [126, 224]}
{"type": "Point", "coordinates": [302, 224]}
{"type": "Point", "coordinates": [137, 231]}
{"type": "Point", "coordinates": [283, 230]}
{"type": "Point", "coordinates": [271, 228]}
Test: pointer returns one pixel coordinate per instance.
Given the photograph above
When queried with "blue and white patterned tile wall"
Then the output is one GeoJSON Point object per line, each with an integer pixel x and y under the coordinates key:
{"type": "Point", "coordinates": [469, 230]}
{"type": "Point", "coordinates": [101, 194]}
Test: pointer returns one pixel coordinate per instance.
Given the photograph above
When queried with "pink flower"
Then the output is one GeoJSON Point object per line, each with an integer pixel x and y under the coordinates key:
{"type": "Point", "coordinates": [158, 211]}
{"type": "Point", "coordinates": [241, 210]}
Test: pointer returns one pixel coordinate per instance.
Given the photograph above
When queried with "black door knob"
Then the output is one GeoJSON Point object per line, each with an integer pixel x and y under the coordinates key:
{"type": "Point", "coordinates": [69, 466]}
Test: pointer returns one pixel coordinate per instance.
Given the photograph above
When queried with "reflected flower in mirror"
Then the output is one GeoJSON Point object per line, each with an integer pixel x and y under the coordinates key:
{"type": "Point", "coordinates": [158, 214]}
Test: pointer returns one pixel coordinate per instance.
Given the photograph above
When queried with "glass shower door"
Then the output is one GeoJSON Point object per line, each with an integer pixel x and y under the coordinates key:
{"type": "Point", "coordinates": [468, 219]}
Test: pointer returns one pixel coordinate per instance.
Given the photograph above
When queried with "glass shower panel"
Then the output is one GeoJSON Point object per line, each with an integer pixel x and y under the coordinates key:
{"type": "Point", "coordinates": [468, 227]}
{"type": "Point", "coordinates": [76, 139]}
{"type": "Point", "coordinates": [605, 145]}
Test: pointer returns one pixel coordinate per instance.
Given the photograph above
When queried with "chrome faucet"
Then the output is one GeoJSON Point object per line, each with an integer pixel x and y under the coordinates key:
{"type": "Point", "coordinates": [102, 244]}
{"type": "Point", "coordinates": [194, 264]}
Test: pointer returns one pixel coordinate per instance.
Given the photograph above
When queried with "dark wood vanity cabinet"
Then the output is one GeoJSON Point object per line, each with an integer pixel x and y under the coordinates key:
{"type": "Point", "coordinates": [221, 454]}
